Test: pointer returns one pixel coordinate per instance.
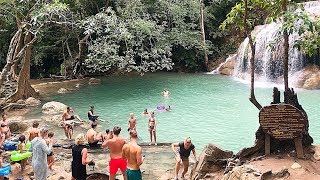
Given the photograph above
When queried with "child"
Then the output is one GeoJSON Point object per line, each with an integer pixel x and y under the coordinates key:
{"type": "Point", "coordinates": [2, 165]}
{"type": "Point", "coordinates": [22, 148]}
{"type": "Point", "coordinates": [50, 156]}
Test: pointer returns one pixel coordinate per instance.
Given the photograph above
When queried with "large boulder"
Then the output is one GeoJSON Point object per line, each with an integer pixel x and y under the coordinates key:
{"type": "Point", "coordinates": [53, 107]}
{"type": "Point", "coordinates": [227, 67]}
{"type": "Point", "coordinates": [18, 127]}
{"type": "Point", "coordinates": [313, 82]}
{"type": "Point", "coordinates": [31, 101]}
{"type": "Point", "coordinates": [97, 176]}
{"type": "Point", "coordinates": [212, 159]}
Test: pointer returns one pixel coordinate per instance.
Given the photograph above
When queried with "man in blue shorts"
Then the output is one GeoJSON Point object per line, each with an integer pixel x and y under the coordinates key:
{"type": "Point", "coordinates": [132, 151]}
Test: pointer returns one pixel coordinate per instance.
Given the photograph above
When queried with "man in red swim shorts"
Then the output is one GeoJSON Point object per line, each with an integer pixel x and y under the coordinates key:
{"type": "Point", "coordinates": [115, 147]}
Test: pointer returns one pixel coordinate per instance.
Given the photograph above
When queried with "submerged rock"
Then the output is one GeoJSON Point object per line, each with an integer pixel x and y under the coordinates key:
{"type": "Point", "coordinates": [62, 90]}
{"type": "Point", "coordinates": [53, 107]}
{"type": "Point", "coordinates": [94, 81]}
{"type": "Point", "coordinates": [212, 159]}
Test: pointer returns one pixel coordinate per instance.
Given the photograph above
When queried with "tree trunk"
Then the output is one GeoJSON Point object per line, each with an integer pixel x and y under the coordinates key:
{"type": "Point", "coordinates": [253, 52]}
{"type": "Point", "coordinates": [24, 89]}
{"type": "Point", "coordinates": [10, 57]}
{"type": "Point", "coordinates": [203, 36]}
{"type": "Point", "coordinates": [13, 71]}
{"type": "Point", "coordinates": [286, 49]}
{"type": "Point", "coordinates": [78, 59]}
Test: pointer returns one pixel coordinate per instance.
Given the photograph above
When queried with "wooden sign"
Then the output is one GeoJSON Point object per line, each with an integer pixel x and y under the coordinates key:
{"type": "Point", "coordinates": [282, 121]}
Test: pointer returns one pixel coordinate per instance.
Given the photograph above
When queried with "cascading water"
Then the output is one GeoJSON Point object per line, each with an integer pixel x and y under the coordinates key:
{"type": "Point", "coordinates": [268, 57]}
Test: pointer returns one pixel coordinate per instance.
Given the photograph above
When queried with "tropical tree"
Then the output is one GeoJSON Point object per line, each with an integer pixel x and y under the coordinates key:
{"type": "Point", "coordinates": [31, 16]}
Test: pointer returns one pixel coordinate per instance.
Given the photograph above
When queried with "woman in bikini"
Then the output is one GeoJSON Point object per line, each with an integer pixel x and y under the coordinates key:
{"type": "Point", "coordinates": [5, 126]}
{"type": "Point", "coordinates": [152, 127]}
{"type": "Point", "coordinates": [68, 124]}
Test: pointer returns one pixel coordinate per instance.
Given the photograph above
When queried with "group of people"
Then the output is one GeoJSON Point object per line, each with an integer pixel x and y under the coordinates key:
{"type": "Point", "coordinates": [41, 148]}
{"type": "Point", "coordinates": [124, 156]}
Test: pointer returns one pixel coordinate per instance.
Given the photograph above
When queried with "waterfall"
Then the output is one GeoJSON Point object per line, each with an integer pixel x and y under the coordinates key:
{"type": "Point", "coordinates": [268, 57]}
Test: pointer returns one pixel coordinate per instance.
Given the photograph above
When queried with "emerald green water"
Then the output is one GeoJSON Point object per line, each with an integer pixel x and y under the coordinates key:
{"type": "Point", "coordinates": [208, 108]}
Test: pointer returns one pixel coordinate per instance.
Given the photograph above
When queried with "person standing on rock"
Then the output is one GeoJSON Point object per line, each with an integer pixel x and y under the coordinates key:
{"type": "Point", "coordinates": [79, 159]}
{"type": "Point", "coordinates": [182, 151]}
{"type": "Point", "coordinates": [132, 122]}
{"type": "Point", "coordinates": [133, 152]}
{"type": "Point", "coordinates": [40, 150]}
{"type": "Point", "coordinates": [152, 128]}
{"type": "Point", "coordinates": [34, 131]}
{"type": "Point", "coordinates": [115, 146]}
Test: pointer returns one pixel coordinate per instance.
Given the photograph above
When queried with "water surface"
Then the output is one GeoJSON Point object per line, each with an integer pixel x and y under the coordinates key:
{"type": "Point", "coordinates": [208, 108]}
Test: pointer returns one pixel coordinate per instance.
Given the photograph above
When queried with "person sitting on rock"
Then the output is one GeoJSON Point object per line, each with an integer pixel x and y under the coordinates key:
{"type": "Point", "coordinates": [68, 123]}
{"type": "Point", "coordinates": [93, 136]}
{"type": "Point", "coordinates": [5, 126]}
{"type": "Point", "coordinates": [92, 117]}
{"type": "Point", "coordinates": [34, 131]}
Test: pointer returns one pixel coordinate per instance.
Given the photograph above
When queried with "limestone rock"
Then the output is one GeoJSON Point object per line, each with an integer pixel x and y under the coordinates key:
{"type": "Point", "coordinates": [94, 81]}
{"type": "Point", "coordinates": [18, 127]}
{"type": "Point", "coordinates": [313, 82]}
{"type": "Point", "coordinates": [227, 67]}
{"type": "Point", "coordinates": [62, 90]}
{"type": "Point", "coordinates": [102, 164]}
{"type": "Point", "coordinates": [243, 172]}
{"type": "Point", "coordinates": [67, 166]}
{"type": "Point", "coordinates": [56, 119]}
{"type": "Point", "coordinates": [32, 101]}
{"type": "Point", "coordinates": [20, 101]}
{"type": "Point", "coordinates": [53, 107]}
{"type": "Point", "coordinates": [316, 154]}
{"type": "Point", "coordinates": [295, 166]}
{"type": "Point", "coordinates": [97, 176]}
{"type": "Point", "coordinates": [212, 159]}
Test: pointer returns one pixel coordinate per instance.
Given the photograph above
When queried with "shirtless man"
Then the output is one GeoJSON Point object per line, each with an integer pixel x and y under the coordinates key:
{"type": "Point", "coordinates": [132, 121]}
{"type": "Point", "coordinates": [132, 151]}
{"type": "Point", "coordinates": [93, 136]}
{"type": "Point", "coordinates": [115, 147]}
{"type": "Point", "coordinates": [34, 131]}
{"type": "Point", "coordinates": [68, 124]}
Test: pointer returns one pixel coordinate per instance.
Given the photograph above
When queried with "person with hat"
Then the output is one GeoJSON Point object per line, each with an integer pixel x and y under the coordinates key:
{"type": "Point", "coordinates": [79, 159]}
{"type": "Point", "coordinates": [40, 150]}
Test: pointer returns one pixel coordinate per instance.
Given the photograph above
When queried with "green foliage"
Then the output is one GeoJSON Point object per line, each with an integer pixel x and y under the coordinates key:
{"type": "Point", "coordinates": [309, 41]}
{"type": "Point", "coordinates": [139, 37]}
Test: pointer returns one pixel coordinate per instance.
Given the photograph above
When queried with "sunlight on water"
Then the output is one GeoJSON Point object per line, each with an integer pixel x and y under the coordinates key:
{"type": "Point", "coordinates": [208, 108]}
